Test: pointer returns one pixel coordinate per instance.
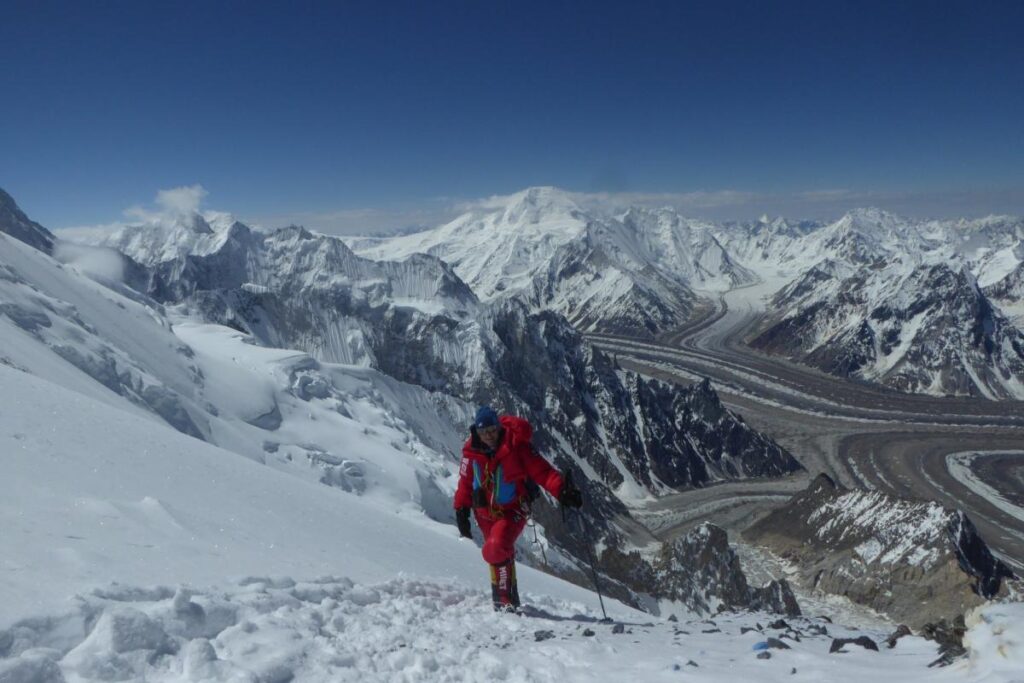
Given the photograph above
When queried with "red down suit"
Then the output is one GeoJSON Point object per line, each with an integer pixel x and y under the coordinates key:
{"type": "Point", "coordinates": [502, 476]}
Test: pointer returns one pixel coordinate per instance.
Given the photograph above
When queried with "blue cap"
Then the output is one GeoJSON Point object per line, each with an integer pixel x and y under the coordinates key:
{"type": "Point", "coordinates": [485, 417]}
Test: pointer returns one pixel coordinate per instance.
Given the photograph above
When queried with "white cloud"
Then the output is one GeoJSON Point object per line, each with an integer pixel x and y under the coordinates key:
{"type": "Point", "coordinates": [88, 234]}
{"type": "Point", "coordinates": [97, 262]}
{"type": "Point", "coordinates": [183, 200]}
{"type": "Point", "coordinates": [173, 203]}
{"type": "Point", "coordinates": [170, 205]}
{"type": "Point", "coordinates": [366, 220]}
{"type": "Point", "coordinates": [726, 204]}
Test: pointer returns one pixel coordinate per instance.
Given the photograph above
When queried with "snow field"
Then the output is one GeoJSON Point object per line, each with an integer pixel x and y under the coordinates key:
{"type": "Point", "coordinates": [274, 630]}
{"type": "Point", "coordinates": [91, 494]}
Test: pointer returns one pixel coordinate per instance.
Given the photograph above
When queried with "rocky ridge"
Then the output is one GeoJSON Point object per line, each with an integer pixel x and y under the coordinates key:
{"type": "Point", "coordinates": [925, 328]}
{"type": "Point", "coordinates": [703, 572]}
{"type": "Point", "coordinates": [15, 223]}
{"type": "Point", "coordinates": [917, 562]}
{"type": "Point", "coordinates": [699, 571]}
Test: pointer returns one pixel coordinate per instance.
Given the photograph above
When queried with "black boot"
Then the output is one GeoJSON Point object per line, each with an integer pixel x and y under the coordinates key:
{"type": "Point", "coordinates": [513, 590]}
{"type": "Point", "coordinates": [504, 591]}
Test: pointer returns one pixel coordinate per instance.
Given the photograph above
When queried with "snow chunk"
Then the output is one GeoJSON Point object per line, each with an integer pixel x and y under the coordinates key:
{"type": "Point", "coordinates": [120, 647]}
{"type": "Point", "coordinates": [995, 641]}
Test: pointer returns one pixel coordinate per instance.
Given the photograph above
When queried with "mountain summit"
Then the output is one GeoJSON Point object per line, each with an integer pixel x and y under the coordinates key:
{"type": "Point", "coordinates": [634, 273]}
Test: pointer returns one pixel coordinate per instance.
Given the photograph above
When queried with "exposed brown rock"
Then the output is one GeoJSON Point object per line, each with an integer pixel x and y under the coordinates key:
{"type": "Point", "coordinates": [917, 562]}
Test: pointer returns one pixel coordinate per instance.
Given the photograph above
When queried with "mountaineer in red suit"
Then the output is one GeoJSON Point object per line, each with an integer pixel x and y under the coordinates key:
{"type": "Point", "coordinates": [498, 462]}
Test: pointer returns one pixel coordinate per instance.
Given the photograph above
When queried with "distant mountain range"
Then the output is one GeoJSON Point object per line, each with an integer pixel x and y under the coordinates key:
{"type": "Point", "coordinates": [919, 306]}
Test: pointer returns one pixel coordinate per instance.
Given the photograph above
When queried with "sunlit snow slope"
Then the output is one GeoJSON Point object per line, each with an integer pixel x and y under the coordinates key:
{"type": "Point", "coordinates": [93, 495]}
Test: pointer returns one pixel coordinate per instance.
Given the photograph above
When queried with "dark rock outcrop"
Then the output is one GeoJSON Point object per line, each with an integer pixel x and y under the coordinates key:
{"type": "Point", "coordinates": [901, 631]}
{"type": "Point", "coordinates": [949, 635]}
{"type": "Point", "coordinates": [701, 571]}
{"type": "Point", "coordinates": [691, 438]}
{"type": "Point", "coordinates": [863, 641]}
{"type": "Point", "coordinates": [15, 223]}
{"type": "Point", "coordinates": [914, 561]}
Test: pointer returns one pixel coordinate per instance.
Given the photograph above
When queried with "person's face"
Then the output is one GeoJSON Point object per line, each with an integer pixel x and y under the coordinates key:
{"type": "Point", "coordinates": [489, 435]}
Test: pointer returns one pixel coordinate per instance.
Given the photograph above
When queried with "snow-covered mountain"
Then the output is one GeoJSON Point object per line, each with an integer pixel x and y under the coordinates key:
{"type": "Point", "coordinates": [990, 247]}
{"type": "Point", "coordinates": [871, 237]}
{"type": "Point", "coordinates": [1008, 294]}
{"type": "Point", "coordinates": [896, 302]}
{"type": "Point", "coordinates": [641, 272]}
{"type": "Point", "coordinates": [681, 246]}
{"type": "Point", "coordinates": [244, 353]}
{"type": "Point", "coordinates": [926, 328]}
{"type": "Point", "coordinates": [633, 273]}
{"type": "Point", "coordinates": [767, 245]}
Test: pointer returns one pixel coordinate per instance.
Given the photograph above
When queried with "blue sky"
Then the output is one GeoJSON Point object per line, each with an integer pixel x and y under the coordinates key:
{"type": "Point", "coordinates": [392, 113]}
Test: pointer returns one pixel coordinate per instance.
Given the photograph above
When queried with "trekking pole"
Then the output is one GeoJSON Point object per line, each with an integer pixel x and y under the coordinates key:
{"type": "Point", "coordinates": [585, 528]}
{"type": "Point", "coordinates": [536, 539]}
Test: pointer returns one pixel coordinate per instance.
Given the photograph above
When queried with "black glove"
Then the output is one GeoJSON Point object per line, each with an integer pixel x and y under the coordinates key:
{"type": "Point", "coordinates": [462, 521]}
{"type": "Point", "coordinates": [570, 496]}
